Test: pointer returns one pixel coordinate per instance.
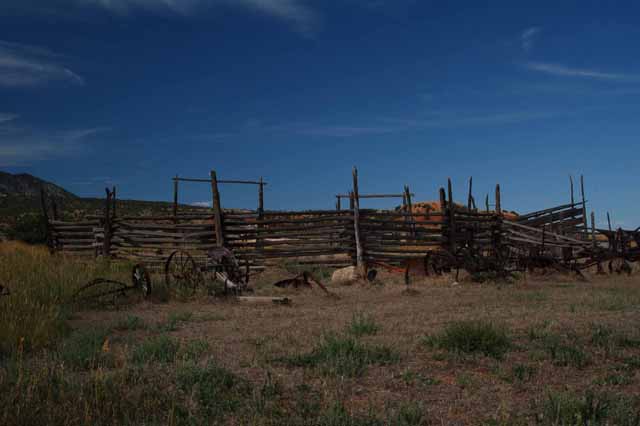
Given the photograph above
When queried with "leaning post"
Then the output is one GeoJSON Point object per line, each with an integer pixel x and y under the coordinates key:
{"type": "Point", "coordinates": [217, 209]}
{"type": "Point", "coordinates": [106, 242]}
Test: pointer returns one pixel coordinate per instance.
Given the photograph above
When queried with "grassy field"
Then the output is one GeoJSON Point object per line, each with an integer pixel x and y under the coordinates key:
{"type": "Point", "coordinates": [546, 351]}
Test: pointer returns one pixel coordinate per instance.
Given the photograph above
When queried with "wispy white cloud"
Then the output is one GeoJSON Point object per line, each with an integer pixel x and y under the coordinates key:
{"type": "Point", "coordinates": [297, 13]}
{"type": "Point", "coordinates": [25, 145]}
{"type": "Point", "coordinates": [528, 36]}
{"type": "Point", "coordinates": [26, 66]}
{"type": "Point", "coordinates": [565, 71]}
{"type": "Point", "coordinates": [5, 117]}
{"type": "Point", "coordinates": [391, 125]}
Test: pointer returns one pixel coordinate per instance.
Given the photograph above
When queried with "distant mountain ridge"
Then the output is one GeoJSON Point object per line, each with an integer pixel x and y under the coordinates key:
{"type": "Point", "coordinates": [28, 186]}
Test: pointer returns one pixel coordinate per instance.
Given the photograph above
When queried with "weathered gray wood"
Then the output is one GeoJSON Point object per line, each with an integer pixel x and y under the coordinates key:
{"type": "Point", "coordinates": [498, 200]}
{"type": "Point", "coordinates": [217, 209]}
{"type": "Point", "coordinates": [356, 221]}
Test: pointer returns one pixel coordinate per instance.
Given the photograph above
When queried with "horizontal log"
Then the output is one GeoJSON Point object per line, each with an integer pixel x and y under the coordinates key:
{"type": "Point", "coordinates": [272, 213]}
{"type": "Point", "coordinates": [55, 223]}
{"type": "Point", "coordinates": [545, 211]}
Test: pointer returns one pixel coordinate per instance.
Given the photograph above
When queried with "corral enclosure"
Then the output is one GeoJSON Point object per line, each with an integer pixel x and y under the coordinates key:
{"type": "Point", "coordinates": [441, 235]}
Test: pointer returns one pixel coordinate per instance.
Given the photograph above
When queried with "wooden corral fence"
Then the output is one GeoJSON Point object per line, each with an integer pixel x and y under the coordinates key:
{"type": "Point", "coordinates": [448, 235]}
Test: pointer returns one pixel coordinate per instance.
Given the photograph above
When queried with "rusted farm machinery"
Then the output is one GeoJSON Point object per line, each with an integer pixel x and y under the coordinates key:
{"type": "Point", "coordinates": [182, 275]}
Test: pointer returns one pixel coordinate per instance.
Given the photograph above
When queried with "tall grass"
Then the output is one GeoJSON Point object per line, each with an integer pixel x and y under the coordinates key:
{"type": "Point", "coordinates": [41, 285]}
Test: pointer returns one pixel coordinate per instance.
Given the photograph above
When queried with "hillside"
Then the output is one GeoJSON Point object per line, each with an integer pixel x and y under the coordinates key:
{"type": "Point", "coordinates": [20, 206]}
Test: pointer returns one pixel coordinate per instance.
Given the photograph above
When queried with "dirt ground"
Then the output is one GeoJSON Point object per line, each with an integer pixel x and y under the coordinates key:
{"type": "Point", "coordinates": [453, 389]}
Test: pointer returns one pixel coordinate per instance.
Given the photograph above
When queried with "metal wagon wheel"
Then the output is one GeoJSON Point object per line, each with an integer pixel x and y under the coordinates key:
{"type": "Point", "coordinates": [141, 280]}
{"type": "Point", "coordinates": [181, 273]}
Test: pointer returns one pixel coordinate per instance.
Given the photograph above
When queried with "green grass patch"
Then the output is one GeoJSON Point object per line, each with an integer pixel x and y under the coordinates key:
{"type": "Point", "coordinates": [472, 337]}
{"type": "Point", "coordinates": [162, 349]}
{"type": "Point", "coordinates": [86, 349]}
{"type": "Point", "coordinates": [362, 325]}
{"type": "Point", "coordinates": [589, 409]}
{"type": "Point", "coordinates": [130, 323]}
{"type": "Point", "coordinates": [343, 356]}
{"type": "Point", "coordinates": [565, 354]}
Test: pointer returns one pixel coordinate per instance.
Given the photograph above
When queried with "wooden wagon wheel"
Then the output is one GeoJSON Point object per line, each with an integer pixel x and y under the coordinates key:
{"type": "Point", "coordinates": [141, 280]}
{"type": "Point", "coordinates": [619, 265]}
{"type": "Point", "coordinates": [181, 273]}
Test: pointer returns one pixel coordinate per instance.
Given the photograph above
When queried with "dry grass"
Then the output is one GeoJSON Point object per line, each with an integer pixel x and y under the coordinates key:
{"type": "Point", "coordinates": [573, 352]}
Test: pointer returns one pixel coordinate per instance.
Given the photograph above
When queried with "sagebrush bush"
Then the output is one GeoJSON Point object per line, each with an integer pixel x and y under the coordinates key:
{"type": "Point", "coordinates": [471, 337]}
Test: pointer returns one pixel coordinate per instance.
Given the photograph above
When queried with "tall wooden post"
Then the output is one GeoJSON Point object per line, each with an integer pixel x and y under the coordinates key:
{"type": "Point", "coordinates": [486, 203]}
{"type": "Point", "coordinates": [593, 230]}
{"type": "Point", "coordinates": [45, 216]}
{"type": "Point", "coordinates": [609, 221]}
{"type": "Point", "coordinates": [407, 196]}
{"type": "Point", "coordinates": [356, 223]}
{"type": "Point", "coordinates": [571, 187]}
{"type": "Point", "coordinates": [338, 206]}
{"type": "Point", "coordinates": [443, 201]}
{"type": "Point", "coordinates": [175, 199]}
{"type": "Point", "coordinates": [217, 209]}
{"type": "Point", "coordinates": [259, 245]}
{"type": "Point", "coordinates": [498, 200]}
{"type": "Point", "coordinates": [114, 198]}
{"type": "Point", "coordinates": [584, 206]}
{"type": "Point", "coordinates": [470, 196]}
{"type": "Point", "coordinates": [452, 223]}
{"type": "Point", "coordinates": [106, 243]}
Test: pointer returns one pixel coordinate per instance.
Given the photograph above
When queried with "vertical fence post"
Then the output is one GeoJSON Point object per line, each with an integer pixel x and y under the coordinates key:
{"type": "Point", "coordinates": [338, 206]}
{"type": "Point", "coordinates": [45, 216]}
{"type": "Point", "coordinates": [259, 245]}
{"type": "Point", "coordinates": [217, 209]}
{"type": "Point", "coordinates": [452, 221]}
{"type": "Point", "coordinates": [486, 203]}
{"type": "Point", "coordinates": [356, 222]}
{"type": "Point", "coordinates": [593, 230]}
{"type": "Point", "coordinates": [571, 189]}
{"type": "Point", "coordinates": [410, 210]}
{"type": "Point", "coordinates": [106, 242]}
{"type": "Point", "coordinates": [175, 199]}
{"type": "Point", "coordinates": [498, 200]}
{"type": "Point", "coordinates": [470, 201]}
{"type": "Point", "coordinates": [584, 206]}
{"type": "Point", "coordinates": [114, 202]}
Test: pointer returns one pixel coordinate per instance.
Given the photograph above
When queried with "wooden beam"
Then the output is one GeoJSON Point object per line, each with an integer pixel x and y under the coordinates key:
{"type": "Point", "coordinates": [373, 196]}
{"type": "Point", "coordinates": [244, 182]}
{"type": "Point", "coordinates": [571, 187]}
{"type": "Point", "coordinates": [584, 205]}
{"type": "Point", "coordinates": [452, 223]}
{"type": "Point", "coordinates": [356, 222]}
{"type": "Point", "coordinates": [470, 196]}
{"type": "Point", "coordinates": [498, 200]}
{"type": "Point", "coordinates": [106, 243]}
{"type": "Point", "coordinates": [217, 209]}
{"type": "Point", "coordinates": [175, 198]}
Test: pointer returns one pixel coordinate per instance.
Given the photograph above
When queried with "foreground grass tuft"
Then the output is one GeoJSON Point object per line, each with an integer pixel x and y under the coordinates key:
{"type": "Point", "coordinates": [590, 409]}
{"type": "Point", "coordinates": [363, 325]}
{"type": "Point", "coordinates": [343, 356]}
{"type": "Point", "coordinates": [471, 337]}
{"type": "Point", "coordinates": [161, 349]}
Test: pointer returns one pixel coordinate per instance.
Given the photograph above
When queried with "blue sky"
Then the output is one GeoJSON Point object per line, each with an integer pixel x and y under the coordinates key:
{"type": "Point", "coordinates": [133, 92]}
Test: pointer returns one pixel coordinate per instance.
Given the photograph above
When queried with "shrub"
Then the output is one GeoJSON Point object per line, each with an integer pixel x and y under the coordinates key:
{"type": "Point", "coordinates": [472, 337]}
